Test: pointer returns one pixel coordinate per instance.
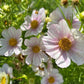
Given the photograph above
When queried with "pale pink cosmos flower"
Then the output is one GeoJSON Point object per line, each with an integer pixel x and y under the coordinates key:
{"type": "Point", "coordinates": [35, 51]}
{"type": "Point", "coordinates": [11, 43]}
{"type": "Point", "coordinates": [53, 77]}
{"type": "Point", "coordinates": [65, 13]}
{"type": "Point", "coordinates": [62, 44]}
{"type": "Point", "coordinates": [34, 24]}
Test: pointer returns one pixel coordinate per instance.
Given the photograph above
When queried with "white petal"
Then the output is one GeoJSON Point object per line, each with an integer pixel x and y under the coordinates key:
{"type": "Point", "coordinates": [33, 41]}
{"type": "Point", "coordinates": [9, 52]}
{"type": "Point", "coordinates": [20, 40]}
{"type": "Point", "coordinates": [25, 26]}
{"type": "Point", "coordinates": [28, 33]}
{"type": "Point", "coordinates": [3, 50]}
{"type": "Point", "coordinates": [12, 32]}
{"type": "Point", "coordinates": [44, 56]}
{"type": "Point", "coordinates": [29, 59]}
{"type": "Point", "coordinates": [5, 34]}
{"type": "Point", "coordinates": [36, 60]}
{"type": "Point", "coordinates": [17, 50]}
{"type": "Point", "coordinates": [18, 33]}
{"type": "Point", "coordinates": [56, 15]}
{"type": "Point", "coordinates": [64, 29]}
{"type": "Point", "coordinates": [41, 14]}
{"type": "Point", "coordinates": [3, 42]}
{"type": "Point", "coordinates": [63, 61]}
{"type": "Point", "coordinates": [77, 57]}
{"type": "Point", "coordinates": [28, 19]}
{"type": "Point", "coordinates": [76, 23]}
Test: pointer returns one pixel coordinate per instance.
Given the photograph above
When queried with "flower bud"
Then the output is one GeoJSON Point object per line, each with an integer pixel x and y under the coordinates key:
{"type": "Point", "coordinates": [82, 16]}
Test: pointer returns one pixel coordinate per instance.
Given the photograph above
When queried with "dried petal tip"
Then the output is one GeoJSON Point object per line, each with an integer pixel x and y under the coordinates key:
{"type": "Point", "coordinates": [64, 2]}
{"type": "Point", "coordinates": [75, 2]}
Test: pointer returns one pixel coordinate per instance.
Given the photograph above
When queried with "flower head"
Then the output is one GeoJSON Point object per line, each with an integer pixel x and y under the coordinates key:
{"type": "Point", "coordinates": [62, 44]}
{"type": "Point", "coordinates": [52, 77]}
{"type": "Point", "coordinates": [67, 14]}
{"type": "Point", "coordinates": [34, 24]}
{"type": "Point", "coordinates": [34, 51]}
{"type": "Point", "coordinates": [11, 43]}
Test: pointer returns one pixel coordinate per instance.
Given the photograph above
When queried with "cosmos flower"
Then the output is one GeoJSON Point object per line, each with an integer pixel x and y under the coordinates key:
{"type": "Point", "coordinates": [62, 44]}
{"type": "Point", "coordinates": [35, 51]}
{"type": "Point", "coordinates": [65, 13]}
{"type": "Point", "coordinates": [11, 43]}
{"type": "Point", "coordinates": [3, 78]}
{"type": "Point", "coordinates": [34, 24]}
{"type": "Point", "coordinates": [52, 77]}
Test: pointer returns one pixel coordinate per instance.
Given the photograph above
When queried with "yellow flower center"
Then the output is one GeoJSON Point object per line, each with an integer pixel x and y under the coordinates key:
{"type": "Point", "coordinates": [12, 42]}
{"type": "Point", "coordinates": [36, 49]}
{"type": "Point", "coordinates": [34, 24]}
{"type": "Point", "coordinates": [69, 22]}
{"type": "Point", "coordinates": [65, 44]}
{"type": "Point", "coordinates": [51, 80]}
{"type": "Point", "coordinates": [3, 81]}
{"type": "Point", "coordinates": [36, 12]}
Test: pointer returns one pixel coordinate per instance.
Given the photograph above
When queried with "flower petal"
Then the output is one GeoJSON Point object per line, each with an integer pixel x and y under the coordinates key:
{"type": "Point", "coordinates": [63, 61]}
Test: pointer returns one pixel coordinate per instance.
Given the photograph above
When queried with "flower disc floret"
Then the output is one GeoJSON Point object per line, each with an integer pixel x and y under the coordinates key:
{"type": "Point", "coordinates": [51, 80]}
{"type": "Point", "coordinates": [36, 49]}
{"type": "Point", "coordinates": [12, 42]}
{"type": "Point", "coordinates": [65, 44]}
{"type": "Point", "coordinates": [34, 24]}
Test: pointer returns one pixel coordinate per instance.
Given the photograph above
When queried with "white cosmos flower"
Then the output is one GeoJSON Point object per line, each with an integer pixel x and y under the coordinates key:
{"type": "Point", "coordinates": [11, 43]}
{"type": "Point", "coordinates": [53, 77]}
{"type": "Point", "coordinates": [64, 45]}
{"type": "Point", "coordinates": [34, 51]}
{"type": "Point", "coordinates": [34, 24]}
{"type": "Point", "coordinates": [65, 13]}
{"type": "Point", "coordinates": [3, 78]}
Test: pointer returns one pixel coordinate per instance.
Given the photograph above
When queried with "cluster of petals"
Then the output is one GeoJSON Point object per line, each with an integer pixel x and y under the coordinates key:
{"type": "Point", "coordinates": [69, 14]}
{"type": "Point", "coordinates": [63, 44]}
{"type": "Point", "coordinates": [34, 24]}
{"type": "Point", "coordinates": [11, 43]}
